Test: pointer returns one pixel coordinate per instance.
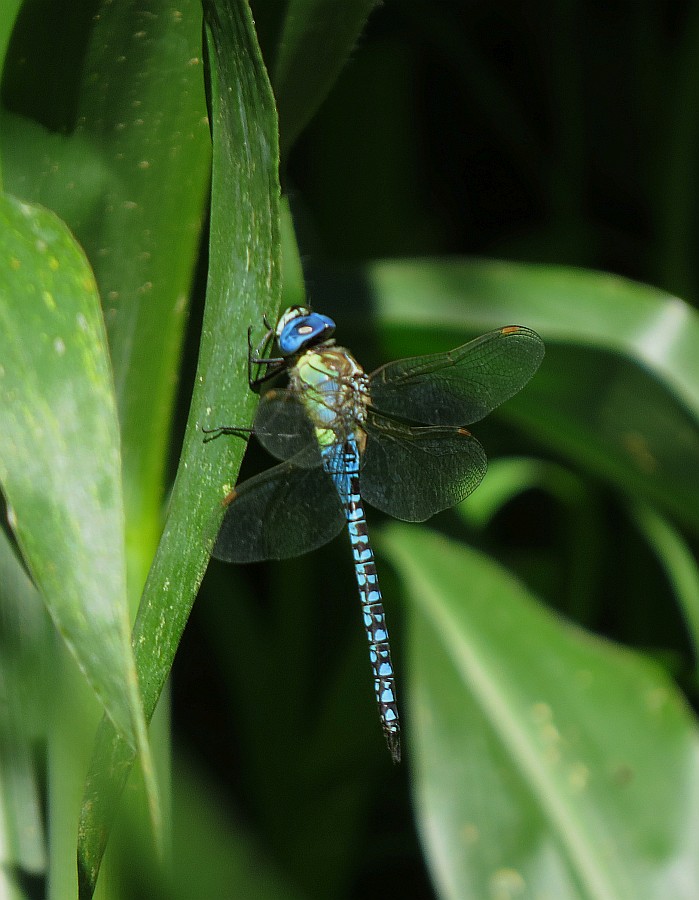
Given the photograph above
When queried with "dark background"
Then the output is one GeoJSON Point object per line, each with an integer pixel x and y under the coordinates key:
{"type": "Point", "coordinates": [548, 131]}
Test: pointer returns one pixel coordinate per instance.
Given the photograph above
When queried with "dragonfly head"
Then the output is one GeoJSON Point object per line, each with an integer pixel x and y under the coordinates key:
{"type": "Point", "coordinates": [299, 328]}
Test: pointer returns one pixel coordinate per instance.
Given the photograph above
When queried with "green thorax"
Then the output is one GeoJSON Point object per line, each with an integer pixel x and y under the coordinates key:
{"type": "Point", "coordinates": [334, 391]}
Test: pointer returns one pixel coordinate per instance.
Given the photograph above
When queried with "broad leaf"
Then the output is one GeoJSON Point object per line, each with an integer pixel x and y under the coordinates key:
{"type": "Point", "coordinates": [60, 465]}
{"type": "Point", "coordinates": [547, 762]}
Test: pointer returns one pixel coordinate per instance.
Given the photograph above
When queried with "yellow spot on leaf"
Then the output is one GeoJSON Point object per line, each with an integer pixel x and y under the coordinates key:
{"type": "Point", "coordinates": [506, 884]}
{"type": "Point", "coordinates": [470, 834]}
{"type": "Point", "coordinates": [578, 776]}
{"type": "Point", "coordinates": [542, 713]}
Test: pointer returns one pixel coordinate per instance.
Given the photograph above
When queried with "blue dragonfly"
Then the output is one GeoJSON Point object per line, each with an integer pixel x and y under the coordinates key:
{"type": "Point", "coordinates": [395, 438]}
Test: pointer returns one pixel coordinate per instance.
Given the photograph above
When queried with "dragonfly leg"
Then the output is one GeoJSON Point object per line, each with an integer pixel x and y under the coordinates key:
{"type": "Point", "coordinates": [219, 430]}
{"type": "Point", "coordinates": [256, 358]}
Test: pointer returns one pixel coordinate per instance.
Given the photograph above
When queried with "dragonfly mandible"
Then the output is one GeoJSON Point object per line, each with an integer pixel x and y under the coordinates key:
{"type": "Point", "coordinates": [395, 438]}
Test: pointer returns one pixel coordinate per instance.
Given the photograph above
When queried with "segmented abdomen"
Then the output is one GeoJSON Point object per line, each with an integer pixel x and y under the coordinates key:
{"type": "Point", "coordinates": [342, 462]}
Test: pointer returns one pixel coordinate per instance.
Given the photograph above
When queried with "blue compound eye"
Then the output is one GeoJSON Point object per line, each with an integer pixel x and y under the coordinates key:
{"type": "Point", "coordinates": [296, 334]}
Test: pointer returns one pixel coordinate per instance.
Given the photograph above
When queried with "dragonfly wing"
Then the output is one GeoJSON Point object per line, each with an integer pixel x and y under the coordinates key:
{"type": "Point", "coordinates": [283, 428]}
{"type": "Point", "coordinates": [463, 385]}
{"type": "Point", "coordinates": [282, 512]}
{"type": "Point", "coordinates": [413, 472]}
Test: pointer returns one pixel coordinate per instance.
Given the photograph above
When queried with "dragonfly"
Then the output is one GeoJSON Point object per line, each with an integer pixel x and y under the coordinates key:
{"type": "Point", "coordinates": [395, 438]}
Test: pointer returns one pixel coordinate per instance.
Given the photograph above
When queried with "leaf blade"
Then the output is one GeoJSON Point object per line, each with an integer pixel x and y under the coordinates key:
{"type": "Point", "coordinates": [307, 43]}
{"type": "Point", "coordinates": [243, 282]}
{"type": "Point", "coordinates": [542, 754]}
{"type": "Point", "coordinates": [59, 449]}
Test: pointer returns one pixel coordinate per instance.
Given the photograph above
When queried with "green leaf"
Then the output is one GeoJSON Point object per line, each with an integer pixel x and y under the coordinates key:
{"type": "Point", "coordinates": [307, 44]}
{"type": "Point", "coordinates": [60, 465]}
{"type": "Point", "coordinates": [619, 388]}
{"type": "Point", "coordinates": [33, 159]}
{"type": "Point", "coordinates": [130, 179]}
{"type": "Point", "coordinates": [128, 168]}
{"type": "Point", "coordinates": [214, 857]}
{"type": "Point", "coordinates": [243, 283]}
{"type": "Point", "coordinates": [578, 524]}
{"type": "Point", "coordinates": [508, 477]}
{"type": "Point", "coordinates": [143, 106]}
{"type": "Point", "coordinates": [8, 14]}
{"type": "Point", "coordinates": [678, 561]}
{"type": "Point", "coordinates": [25, 645]}
{"type": "Point", "coordinates": [547, 762]}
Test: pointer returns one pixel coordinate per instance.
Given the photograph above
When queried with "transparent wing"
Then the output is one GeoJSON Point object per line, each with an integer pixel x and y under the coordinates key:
{"type": "Point", "coordinates": [283, 512]}
{"type": "Point", "coordinates": [413, 472]}
{"type": "Point", "coordinates": [284, 429]}
{"type": "Point", "coordinates": [463, 385]}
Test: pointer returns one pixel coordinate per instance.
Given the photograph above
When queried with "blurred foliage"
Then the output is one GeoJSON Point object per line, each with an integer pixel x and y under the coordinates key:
{"type": "Point", "coordinates": [445, 169]}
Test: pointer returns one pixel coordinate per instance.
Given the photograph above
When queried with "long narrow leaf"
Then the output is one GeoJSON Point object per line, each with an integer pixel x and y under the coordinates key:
{"type": "Point", "coordinates": [25, 642]}
{"type": "Point", "coordinates": [311, 45]}
{"type": "Point", "coordinates": [142, 106]}
{"type": "Point", "coordinates": [129, 178]}
{"type": "Point", "coordinates": [243, 282]}
{"type": "Point", "coordinates": [677, 560]}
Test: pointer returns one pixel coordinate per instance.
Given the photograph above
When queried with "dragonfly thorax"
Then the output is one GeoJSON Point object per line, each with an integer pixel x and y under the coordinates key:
{"type": "Point", "coordinates": [333, 388]}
